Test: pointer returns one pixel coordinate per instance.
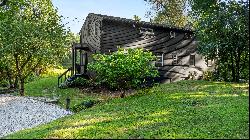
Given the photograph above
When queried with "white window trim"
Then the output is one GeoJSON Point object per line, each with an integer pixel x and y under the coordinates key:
{"type": "Point", "coordinates": [175, 58]}
{"type": "Point", "coordinates": [172, 34]}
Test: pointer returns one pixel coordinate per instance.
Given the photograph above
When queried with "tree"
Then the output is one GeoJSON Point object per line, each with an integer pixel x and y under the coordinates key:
{"type": "Point", "coordinates": [31, 37]}
{"type": "Point", "coordinates": [70, 39]}
{"type": "Point", "coordinates": [223, 32]}
{"type": "Point", "coordinates": [169, 12]}
{"type": "Point", "coordinates": [137, 18]}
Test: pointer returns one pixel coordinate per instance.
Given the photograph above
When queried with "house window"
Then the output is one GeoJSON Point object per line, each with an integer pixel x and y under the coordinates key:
{"type": "Point", "coordinates": [146, 31]}
{"type": "Point", "coordinates": [192, 60]}
{"type": "Point", "coordinates": [209, 62]}
{"type": "Point", "coordinates": [96, 29]}
{"type": "Point", "coordinates": [172, 34]}
{"type": "Point", "coordinates": [159, 60]}
{"type": "Point", "coordinates": [89, 29]}
{"type": "Point", "coordinates": [175, 58]}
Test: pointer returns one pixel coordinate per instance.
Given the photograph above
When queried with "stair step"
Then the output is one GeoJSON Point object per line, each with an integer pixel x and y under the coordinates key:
{"type": "Point", "coordinates": [68, 81]}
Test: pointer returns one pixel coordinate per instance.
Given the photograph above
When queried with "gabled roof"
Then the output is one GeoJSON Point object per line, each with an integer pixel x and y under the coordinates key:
{"type": "Point", "coordinates": [143, 23]}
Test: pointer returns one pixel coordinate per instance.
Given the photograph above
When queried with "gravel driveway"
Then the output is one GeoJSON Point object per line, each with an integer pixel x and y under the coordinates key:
{"type": "Point", "coordinates": [17, 113]}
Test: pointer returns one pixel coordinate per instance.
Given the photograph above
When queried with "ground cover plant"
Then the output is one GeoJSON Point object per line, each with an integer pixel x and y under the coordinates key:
{"type": "Point", "coordinates": [185, 109]}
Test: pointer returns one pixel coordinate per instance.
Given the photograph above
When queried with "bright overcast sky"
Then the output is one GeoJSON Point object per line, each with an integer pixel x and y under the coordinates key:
{"type": "Point", "coordinates": [80, 8]}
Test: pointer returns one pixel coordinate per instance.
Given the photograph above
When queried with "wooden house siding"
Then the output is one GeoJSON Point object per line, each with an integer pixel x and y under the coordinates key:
{"type": "Point", "coordinates": [176, 47]}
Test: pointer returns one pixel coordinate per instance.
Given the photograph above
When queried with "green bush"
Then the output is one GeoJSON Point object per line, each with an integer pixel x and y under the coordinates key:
{"type": "Point", "coordinates": [4, 83]}
{"type": "Point", "coordinates": [124, 69]}
{"type": "Point", "coordinates": [212, 76]}
{"type": "Point", "coordinates": [79, 82]}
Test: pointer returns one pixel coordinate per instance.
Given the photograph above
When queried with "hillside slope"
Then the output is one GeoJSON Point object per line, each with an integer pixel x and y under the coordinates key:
{"type": "Point", "coordinates": [185, 109]}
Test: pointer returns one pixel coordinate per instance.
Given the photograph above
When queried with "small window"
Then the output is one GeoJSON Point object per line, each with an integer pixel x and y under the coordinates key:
{"type": "Point", "coordinates": [175, 59]}
{"type": "Point", "coordinates": [172, 34]}
{"type": "Point", "coordinates": [192, 60]}
{"type": "Point", "coordinates": [146, 31]}
{"type": "Point", "coordinates": [89, 29]}
{"type": "Point", "coordinates": [159, 60]}
{"type": "Point", "coordinates": [96, 29]}
{"type": "Point", "coordinates": [209, 63]}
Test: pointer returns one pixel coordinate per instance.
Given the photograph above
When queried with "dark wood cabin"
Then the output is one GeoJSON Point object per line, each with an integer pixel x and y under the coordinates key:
{"type": "Point", "coordinates": [175, 48]}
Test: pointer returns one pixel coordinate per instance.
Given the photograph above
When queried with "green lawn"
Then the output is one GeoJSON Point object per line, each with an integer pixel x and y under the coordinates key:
{"type": "Point", "coordinates": [185, 109]}
{"type": "Point", "coordinates": [47, 87]}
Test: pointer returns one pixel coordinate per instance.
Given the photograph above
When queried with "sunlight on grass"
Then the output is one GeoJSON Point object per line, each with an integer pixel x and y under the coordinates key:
{"type": "Point", "coordinates": [181, 95]}
{"type": "Point", "coordinates": [53, 72]}
{"type": "Point", "coordinates": [226, 95]}
{"type": "Point", "coordinates": [67, 133]}
{"type": "Point", "coordinates": [88, 121]}
{"type": "Point", "coordinates": [185, 109]}
{"type": "Point", "coordinates": [159, 113]}
{"type": "Point", "coordinates": [240, 85]}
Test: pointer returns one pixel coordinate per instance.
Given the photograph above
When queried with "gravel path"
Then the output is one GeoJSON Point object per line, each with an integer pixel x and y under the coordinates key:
{"type": "Point", "coordinates": [17, 113]}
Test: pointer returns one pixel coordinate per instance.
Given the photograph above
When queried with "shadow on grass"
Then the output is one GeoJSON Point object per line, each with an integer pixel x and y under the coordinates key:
{"type": "Point", "coordinates": [185, 109]}
{"type": "Point", "coordinates": [182, 114]}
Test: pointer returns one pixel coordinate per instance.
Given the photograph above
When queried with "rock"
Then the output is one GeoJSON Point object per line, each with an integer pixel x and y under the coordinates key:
{"type": "Point", "coordinates": [17, 113]}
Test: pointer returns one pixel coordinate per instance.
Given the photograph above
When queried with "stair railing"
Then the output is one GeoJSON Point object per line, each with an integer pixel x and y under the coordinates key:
{"type": "Point", "coordinates": [64, 76]}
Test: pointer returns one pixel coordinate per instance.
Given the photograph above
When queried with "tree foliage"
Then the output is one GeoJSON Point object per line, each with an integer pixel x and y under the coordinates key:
{"type": "Point", "coordinates": [169, 12]}
{"type": "Point", "coordinates": [31, 37]}
{"type": "Point", "coordinates": [223, 32]}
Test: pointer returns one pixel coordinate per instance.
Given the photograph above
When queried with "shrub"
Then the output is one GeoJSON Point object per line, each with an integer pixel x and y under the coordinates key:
{"type": "Point", "coordinates": [212, 76]}
{"type": "Point", "coordinates": [79, 82]}
{"type": "Point", "coordinates": [123, 69]}
{"type": "Point", "coordinates": [4, 83]}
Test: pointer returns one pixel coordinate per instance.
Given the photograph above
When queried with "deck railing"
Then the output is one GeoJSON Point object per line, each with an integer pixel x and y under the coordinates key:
{"type": "Point", "coordinates": [64, 76]}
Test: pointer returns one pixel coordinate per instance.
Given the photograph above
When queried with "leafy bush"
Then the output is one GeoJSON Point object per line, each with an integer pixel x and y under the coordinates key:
{"type": "Point", "coordinates": [79, 81]}
{"type": "Point", "coordinates": [191, 75]}
{"type": "Point", "coordinates": [212, 76]}
{"type": "Point", "coordinates": [4, 83]}
{"type": "Point", "coordinates": [123, 69]}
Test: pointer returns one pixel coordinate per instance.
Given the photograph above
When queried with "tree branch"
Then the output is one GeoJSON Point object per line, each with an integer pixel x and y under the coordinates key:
{"type": "Point", "coordinates": [17, 63]}
{"type": "Point", "coordinates": [33, 68]}
{"type": "Point", "coordinates": [27, 60]}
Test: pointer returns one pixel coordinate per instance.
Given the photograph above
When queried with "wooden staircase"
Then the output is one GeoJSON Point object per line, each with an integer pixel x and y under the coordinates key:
{"type": "Point", "coordinates": [66, 78]}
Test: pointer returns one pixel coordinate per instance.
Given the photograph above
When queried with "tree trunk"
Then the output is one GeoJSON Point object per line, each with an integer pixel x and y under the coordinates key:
{"type": "Point", "coordinates": [22, 87]}
{"type": "Point", "coordinates": [10, 80]}
{"type": "Point", "coordinates": [237, 67]}
{"type": "Point", "coordinates": [16, 82]}
{"type": "Point", "coordinates": [232, 67]}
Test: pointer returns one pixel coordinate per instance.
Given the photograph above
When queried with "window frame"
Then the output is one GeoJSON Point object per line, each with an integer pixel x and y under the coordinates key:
{"type": "Point", "coordinates": [161, 58]}
{"type": "Point", "coordinates": [192, 60]}
{"type": "Point", "coordinates": [175, 59]}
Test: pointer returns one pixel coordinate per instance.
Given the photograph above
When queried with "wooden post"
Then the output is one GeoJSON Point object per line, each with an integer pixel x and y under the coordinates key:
{"type": "Point", "coordinates": [81, 62]}
{"type": "Point", "coordinates": [75, 72]}
{"type": "Point", "coordinates": [86, 62]}
{"type": "Point", "coordinates": [73, 60]}
{"type": "Point", "coordinates": [67, 103]}
{"type": "Point", "coordinates": [58, 82]}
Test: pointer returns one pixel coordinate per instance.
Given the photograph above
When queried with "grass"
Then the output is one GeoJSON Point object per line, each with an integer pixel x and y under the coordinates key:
{"type": "Point", "coordinates": [185, 109]}
{"type": "Point", "coordinates": [47, 87]}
